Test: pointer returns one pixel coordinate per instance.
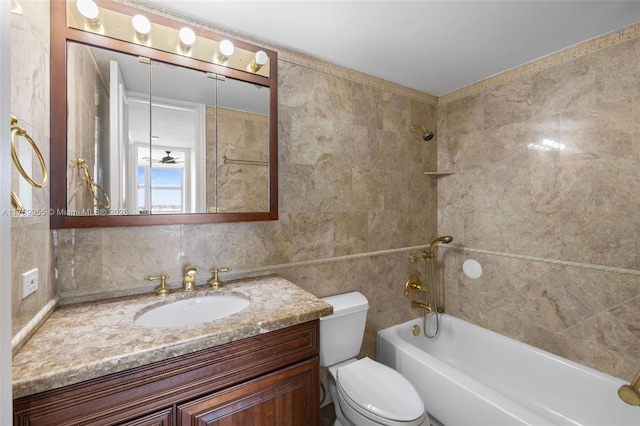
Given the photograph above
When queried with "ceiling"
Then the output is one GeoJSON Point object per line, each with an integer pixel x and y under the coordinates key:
{"type": "Point", "coordinates": [432, 46]}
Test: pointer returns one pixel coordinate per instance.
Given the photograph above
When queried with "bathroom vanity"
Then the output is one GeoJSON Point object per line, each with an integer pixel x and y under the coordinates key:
{"type": "Point", "coordinates": [91, 364]}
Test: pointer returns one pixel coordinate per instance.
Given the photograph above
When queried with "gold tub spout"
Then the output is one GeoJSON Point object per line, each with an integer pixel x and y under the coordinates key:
{"type": "Point", "coordinates": [631, 393]}
{"type": "Point", "coordinates": [416, 305]}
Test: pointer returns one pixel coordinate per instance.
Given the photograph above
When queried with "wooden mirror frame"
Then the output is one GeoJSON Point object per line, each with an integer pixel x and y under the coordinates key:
{"type": "Point", "coordinates": [60, 36]}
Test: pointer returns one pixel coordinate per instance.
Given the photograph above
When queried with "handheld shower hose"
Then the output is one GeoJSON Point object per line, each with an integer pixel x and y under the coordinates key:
{"type": "Point", "coordinates": [430, 270]}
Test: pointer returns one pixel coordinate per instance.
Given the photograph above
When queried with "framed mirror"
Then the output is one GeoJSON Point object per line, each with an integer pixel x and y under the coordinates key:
{"type": "Point", "coordinates": [153, 136]}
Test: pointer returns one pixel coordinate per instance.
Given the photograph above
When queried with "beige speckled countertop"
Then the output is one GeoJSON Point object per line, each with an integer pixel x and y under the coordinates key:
{"type": "Point", "coordinates": [89, 340]}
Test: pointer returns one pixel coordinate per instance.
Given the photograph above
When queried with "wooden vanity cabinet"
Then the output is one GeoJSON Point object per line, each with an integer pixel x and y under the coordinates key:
{"type": "Point", "coordinates": [270, 379]}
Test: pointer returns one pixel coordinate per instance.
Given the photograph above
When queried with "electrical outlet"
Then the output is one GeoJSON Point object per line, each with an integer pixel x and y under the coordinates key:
{"type": "Point", "coordinates": [29, 282]}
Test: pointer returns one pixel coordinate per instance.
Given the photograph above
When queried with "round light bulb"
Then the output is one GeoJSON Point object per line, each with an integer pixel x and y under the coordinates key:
{"type": "Point", "coordinates": [88, 9]}
{"type": "Point", "coordinates": [142, 25]}
{"type": "Point", "coordinates": [226, 48]}
{"type": "Point", "coordinates": [187, 37]}
{"type": "Point", "coordinates": [259, 59]}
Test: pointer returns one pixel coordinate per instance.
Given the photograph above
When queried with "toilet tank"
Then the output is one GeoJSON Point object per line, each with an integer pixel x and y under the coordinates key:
{"type": "Point", "coordinates": [341, 334]}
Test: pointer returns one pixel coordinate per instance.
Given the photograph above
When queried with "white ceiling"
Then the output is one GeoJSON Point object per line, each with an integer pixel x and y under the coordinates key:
{"type": "Point", "coordinates": [432, 46]}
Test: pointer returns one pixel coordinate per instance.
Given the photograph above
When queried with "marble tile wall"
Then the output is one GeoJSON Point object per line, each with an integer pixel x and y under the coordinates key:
{"type": "Point", "coordinates": [547, 167]}
{"type": "Point", "coordinates": [31, 242]}
{"type": "Point", "coordinates": [241, 136]}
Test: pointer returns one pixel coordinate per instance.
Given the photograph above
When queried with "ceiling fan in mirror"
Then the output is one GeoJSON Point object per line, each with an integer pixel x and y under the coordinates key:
{"type": "Point", "coordinates": [167, 159]}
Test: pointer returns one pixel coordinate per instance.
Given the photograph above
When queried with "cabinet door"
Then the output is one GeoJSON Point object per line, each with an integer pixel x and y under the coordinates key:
{"type": "Point", "coordinates": [159, 418]}
{"type": "Point", "coordinates": [287, 397]}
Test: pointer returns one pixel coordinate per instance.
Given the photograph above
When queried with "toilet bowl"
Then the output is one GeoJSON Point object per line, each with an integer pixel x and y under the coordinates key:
{"type": "Point", "coordinates": [364, 391]}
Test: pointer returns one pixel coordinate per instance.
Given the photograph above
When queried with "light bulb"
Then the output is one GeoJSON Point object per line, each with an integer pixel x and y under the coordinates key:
{"type": "Point", "coordinates": [225, 49]}
{"type": "Point", "coordinates": [187, 37]}
{"type": "Point", "coordinates": [142, 25]}
{"type": "Point", "coordinates": [89, 10]}
{"type": "Point", "coordinates": [259, 59]}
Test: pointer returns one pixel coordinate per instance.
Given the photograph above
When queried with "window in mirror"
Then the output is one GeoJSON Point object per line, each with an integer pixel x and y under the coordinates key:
{"type": "Point", "coordinates": [162, 187]}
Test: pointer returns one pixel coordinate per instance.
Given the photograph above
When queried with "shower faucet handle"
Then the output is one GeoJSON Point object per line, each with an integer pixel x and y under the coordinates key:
{"type": "Point", "coordinates": [413, 285]}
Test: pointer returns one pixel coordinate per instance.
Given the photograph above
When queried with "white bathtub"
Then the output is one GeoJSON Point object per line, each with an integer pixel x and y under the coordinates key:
{"type": "Point", "coordinates": [469, 375]}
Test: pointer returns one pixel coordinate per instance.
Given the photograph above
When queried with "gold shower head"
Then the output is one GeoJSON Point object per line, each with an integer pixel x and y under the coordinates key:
{"type": "Point", "coordinates": [427, 134]}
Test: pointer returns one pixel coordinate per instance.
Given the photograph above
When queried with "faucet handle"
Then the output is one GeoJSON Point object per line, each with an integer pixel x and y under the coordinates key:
{"type": "Point", "coordinates": [413, 285]}
{"type": "Point", "coordinates": [215, 282]}
{"type": "Point", "coordinates": [163, 289]}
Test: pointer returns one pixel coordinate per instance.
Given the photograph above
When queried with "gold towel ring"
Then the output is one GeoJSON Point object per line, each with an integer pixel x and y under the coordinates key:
{"type": "Point", "coordinates": [16, 203]}
{"type": "Point", "coordinates": [92, 185]}
{"type": "Point", "coordinates": [19, 131]}
{"type": "Point", "coordinates": [107, 202]}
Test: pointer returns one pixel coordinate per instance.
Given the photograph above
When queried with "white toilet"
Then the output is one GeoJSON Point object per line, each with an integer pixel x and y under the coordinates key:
{"type": "Point", "coordinates": [364, 391]}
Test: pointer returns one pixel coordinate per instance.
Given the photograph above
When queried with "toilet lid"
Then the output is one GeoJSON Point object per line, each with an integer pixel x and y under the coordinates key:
{"type": "Point", "coordinates": [380, 390]}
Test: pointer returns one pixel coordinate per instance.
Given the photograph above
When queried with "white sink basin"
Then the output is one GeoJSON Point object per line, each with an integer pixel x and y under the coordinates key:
{"type": "Point", "coordinates": [194, 310]}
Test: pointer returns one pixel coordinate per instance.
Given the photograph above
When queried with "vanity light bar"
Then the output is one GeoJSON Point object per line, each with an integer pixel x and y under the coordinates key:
{"type": "Point", "coordinates": [86, 15]}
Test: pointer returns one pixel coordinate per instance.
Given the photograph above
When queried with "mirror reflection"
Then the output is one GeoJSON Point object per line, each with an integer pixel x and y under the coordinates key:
{"type": "Point", "coordinates": [146, 137]}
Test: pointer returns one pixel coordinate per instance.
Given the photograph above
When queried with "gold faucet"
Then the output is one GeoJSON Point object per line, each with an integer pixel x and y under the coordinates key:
{"type": "Point", "coordinates": [163, 289]}
{"type": "Point", "coordinates": [189, 282]}
{"type": "Point", "coordinates": [215, 282]}
{"type": "Point", "coordinates": [415, 305]}
{"type": "Point", "coordinates": [412, 286]}
{"type": "Point", "coordinates": [631, 393]}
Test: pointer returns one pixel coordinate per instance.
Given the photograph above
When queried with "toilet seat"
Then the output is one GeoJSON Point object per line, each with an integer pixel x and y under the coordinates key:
{"type": "Point", "coordinates": [379, 393]}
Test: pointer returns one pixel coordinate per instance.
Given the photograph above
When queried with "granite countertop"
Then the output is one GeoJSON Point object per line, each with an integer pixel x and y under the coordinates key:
{"type": "Point", "coordinates": [90, 340]}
